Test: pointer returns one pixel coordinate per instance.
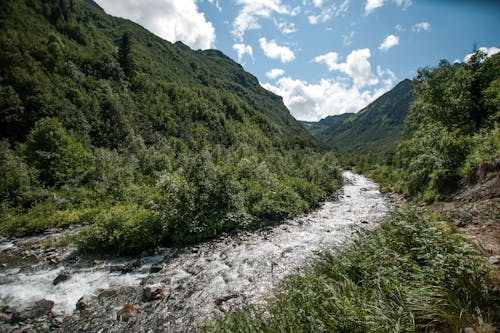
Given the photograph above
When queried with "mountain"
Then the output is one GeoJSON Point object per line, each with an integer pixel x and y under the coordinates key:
{"type": "Point", "coordinates": [376, 128]}
{"type": "Point", "coordinates": [77, 41]}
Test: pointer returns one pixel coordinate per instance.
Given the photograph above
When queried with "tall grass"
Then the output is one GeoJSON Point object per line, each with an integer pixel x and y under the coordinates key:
{"type": "Point", "coordinates": [409, 275]}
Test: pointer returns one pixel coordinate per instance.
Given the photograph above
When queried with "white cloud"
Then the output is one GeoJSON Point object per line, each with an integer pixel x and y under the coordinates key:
{"type": "Point", "coordinates": [313, 102]}
{"type": "Point", "coordinates": [389, 42]}
{"type": "Point", "coordinates": [286, 27]}
{"type": "Point", "coordinates": [275, 73]}
{"type": "Point", "coordinates": [251, 11]}
{"type": "Point", "coordinates": [275, 51]}
{"type": "Point", "coordinates": [349, 38]}
{"type": "Point", "coordinates": [357, 66]}
{"type": "Point", "coordinates": [422, 26]}
{"type": "Point", "coordinates": [399, 27]}
{"type": "Point", "coordinates": [328, 13]}
{"type": "Point", "coordinates": [170, 19]}
{"type": "Point", "coordinates": [216, 4]}
{"type": "Point", "coordinates": [371, 5]}
{"type": "Point", "coordinates": [488, 50]}
{"type": "Point", "coordinates": [404, 3]}
{"type": "Point", "coordinates": [318, 3]}
{"type": "Point", "coordinates": [243, 49]}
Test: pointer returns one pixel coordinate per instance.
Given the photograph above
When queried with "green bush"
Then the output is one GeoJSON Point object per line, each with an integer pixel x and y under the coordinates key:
{"type": "Point", "coordinates": [484, 157]}
{"type": "Point", "coordinates": [121, 229]}
{"type": "Point", "coordinates": [56, 154]}
{"type": "Point", "coordinates": [15, 179]}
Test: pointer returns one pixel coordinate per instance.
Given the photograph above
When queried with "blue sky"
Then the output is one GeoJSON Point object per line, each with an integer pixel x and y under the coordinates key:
{"type": "Point", "coordinates": [325, 57]}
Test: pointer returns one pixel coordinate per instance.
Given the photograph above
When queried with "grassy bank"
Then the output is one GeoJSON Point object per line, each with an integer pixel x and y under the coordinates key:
{"type": "Point", "coordinates": [410, 275]}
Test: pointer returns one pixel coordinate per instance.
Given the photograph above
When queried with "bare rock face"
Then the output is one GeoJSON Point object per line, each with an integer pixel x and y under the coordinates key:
{"type": "Point", "coordinates": [153, 292]}
{"type": "Point", "coordinates": [61, 277]}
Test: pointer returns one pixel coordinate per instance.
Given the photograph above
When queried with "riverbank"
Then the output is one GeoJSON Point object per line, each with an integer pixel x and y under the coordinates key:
{"type": "Point", "coordinates": [412, 274]}
{"type": "Point", "coordinates": [202, 281]}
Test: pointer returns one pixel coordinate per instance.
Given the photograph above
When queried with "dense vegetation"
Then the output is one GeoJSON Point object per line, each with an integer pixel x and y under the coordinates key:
{"type": "Point", "coordinates": [451, 133]}
{"type": "Point", "coordinates": [409, 275]}
{"type": "Point", "coordinates": [146, 142]}
{"type": "Point", "coordinates": [377, 128]}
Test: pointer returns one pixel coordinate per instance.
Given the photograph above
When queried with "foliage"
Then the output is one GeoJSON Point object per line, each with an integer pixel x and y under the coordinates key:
{"type": "Point", "coordinates": [410, 275]}
{"type": "Point", "coordinates": [451, 132]}
{"type": "Point", "coordinates": [15, 178]}
{"type": "Point", "coordinates": [56, 154]}
{"type": "Point", "coordinates": [121, 229]}
{"type": "Point", "coordinates": [104, 116]}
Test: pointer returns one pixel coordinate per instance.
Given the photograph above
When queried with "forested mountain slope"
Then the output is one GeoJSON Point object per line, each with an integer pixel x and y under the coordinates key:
{"type": "Point", "coordinates": [104, 123]}
{"type": "Point", "coordinates": [376, 128]}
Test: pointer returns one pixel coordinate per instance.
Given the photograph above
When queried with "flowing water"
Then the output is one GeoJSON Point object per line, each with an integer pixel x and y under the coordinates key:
{"type": "Point", "coordinates": [205, 280]}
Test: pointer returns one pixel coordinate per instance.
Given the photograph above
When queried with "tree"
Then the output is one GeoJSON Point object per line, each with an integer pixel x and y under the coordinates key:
{"type": "Point", "coordinates": [125, 55]}
{"type": "Point", "coordinates": [57, 155]}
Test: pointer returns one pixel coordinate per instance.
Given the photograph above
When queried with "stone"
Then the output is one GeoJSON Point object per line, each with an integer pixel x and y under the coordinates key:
{"type": "Point", "coordinates": [156, 268]}
{"type": "Point", "coordinates": [128, 311]}
{"type": "Point", "coordinates": [40, 308]}
{"type": "Point", "coordinates": [153, 292]}
{"type": "Point", "coordinates": [83, 303]}
{"type": "Point", "coordinates": [61, 277]}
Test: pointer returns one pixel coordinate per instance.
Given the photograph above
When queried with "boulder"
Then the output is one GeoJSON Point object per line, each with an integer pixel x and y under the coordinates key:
{"type": "Point", "coordinates": [156, 268]}
{"type": "Point", "coordinates": [40, 308]}
{"type": "Point", "coordinates": [83, 303]}
{"type": "Point", "coordinates": [153, 292]}
{"type": "Point", "coordinates": [61, 277]}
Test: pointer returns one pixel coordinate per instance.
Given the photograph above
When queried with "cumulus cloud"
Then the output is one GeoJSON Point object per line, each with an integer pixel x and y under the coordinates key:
{"type": "Point", "coordinates": [312, 102]}
{"type": "Point", "coordinates": [242, 49]}
{"type": "Point", "coordinates": [422, 26]}
{"type": "Point", "coordinates": [275, 73]}
{"type": "Point", "coordinates": [341, 94]}
{"type": "Point", "coordinates": [170, 19]}
{"type": "Point", "coordinates": [275, 51]}
{"type": "Point", "coordinates": [357, 66]}
{"type": "Point", "coordinates": [489, 51]}
{"type": "Point", "coordinates": [252, 11]}
{"type": "Point", "coordinates": [371, 5]}
{"type": "Point", "coordinates": [389, 42]}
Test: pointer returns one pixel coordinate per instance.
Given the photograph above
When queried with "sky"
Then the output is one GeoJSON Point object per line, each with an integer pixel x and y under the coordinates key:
{"type": "Point", "coordinates": [324, 57]}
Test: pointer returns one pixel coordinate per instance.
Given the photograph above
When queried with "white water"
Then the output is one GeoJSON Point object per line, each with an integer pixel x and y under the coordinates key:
{"type": "Point", "coordinates": [246, 265]}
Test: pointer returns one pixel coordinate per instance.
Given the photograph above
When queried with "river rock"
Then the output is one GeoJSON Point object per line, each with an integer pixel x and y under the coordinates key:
{"type": "Point", "coordinates": [61, 277]}
{"type": "Point", "coordinates": [128, 311]}
{"type": "Point", "coordinates": [153, 292]}
{"type": "Point", "coordinates": [156, 268]}
{"type": "Point", "coordinates": [40, 308]}
{"type": "Point", "coordinates": [83, 303]}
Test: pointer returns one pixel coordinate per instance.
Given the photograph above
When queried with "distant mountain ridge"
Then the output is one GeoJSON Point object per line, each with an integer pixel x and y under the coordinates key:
{"type": "Point", "coordinates": [376, 128]}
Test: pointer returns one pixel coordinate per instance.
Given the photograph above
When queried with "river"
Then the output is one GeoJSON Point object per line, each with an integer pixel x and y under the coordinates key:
{"type": "Point", "coordinates": [201, 281]}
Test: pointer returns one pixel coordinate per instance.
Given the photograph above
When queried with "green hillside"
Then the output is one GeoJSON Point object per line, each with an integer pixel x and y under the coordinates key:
{"type": "Point", "coordinates": [376, 128]}
{"type": "Point", "coordinates": [104, 123]}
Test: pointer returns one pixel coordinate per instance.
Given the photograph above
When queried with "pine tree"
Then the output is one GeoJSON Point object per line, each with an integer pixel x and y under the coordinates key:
{"type": "Point", "coordinates": [125, 56]}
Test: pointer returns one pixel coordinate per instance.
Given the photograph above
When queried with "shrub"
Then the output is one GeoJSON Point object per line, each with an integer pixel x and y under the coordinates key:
{"type": "Point", "coordinates": [121, 229]}
{"type": "Point", "coordinates": [56, 154]}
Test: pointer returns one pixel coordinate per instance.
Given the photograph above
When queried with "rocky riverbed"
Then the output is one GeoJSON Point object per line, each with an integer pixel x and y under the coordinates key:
{"type": "Point", "coordinates": [171, 290]}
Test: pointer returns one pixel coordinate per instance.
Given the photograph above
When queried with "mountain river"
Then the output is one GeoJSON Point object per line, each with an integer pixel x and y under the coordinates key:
{"type": "Point", "coordinates": [201, 281]}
